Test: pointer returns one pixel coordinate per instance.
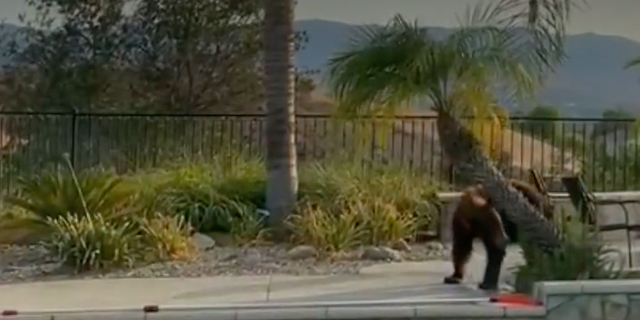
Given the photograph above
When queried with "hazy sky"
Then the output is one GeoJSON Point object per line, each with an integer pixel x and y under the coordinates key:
{"type": "Point", "coordinates": [613, 17]}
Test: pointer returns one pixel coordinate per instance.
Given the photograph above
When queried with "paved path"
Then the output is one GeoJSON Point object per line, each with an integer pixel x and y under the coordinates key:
{"type": "Point", "coordinates": [136, 293]}
{"type": "Point", "coordinates": [395, 281]}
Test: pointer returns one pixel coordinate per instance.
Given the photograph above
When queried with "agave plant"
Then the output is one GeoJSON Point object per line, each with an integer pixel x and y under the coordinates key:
{"type": "Point", "coordinates": [93, 242]}
{"type": "Point", "coordinates": [56, 194]}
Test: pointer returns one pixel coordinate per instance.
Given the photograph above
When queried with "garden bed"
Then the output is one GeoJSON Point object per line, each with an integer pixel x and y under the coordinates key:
{"type": "Point", "coordinates": [25, 263]}
{"type": "Point", "coordinates": [95, 223]}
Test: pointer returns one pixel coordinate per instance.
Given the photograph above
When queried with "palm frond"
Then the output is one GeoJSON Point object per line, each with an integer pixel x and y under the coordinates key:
{"type": "Point", "coordinates": [633, 63]}
{"type": "Point", "coordinates": [385, 67]}
{"type": "Point", "coordinates": [482, 116]}
{"type": "Point", "coordinates": [541, 24]}
{"type": "Point", "coordinates": [490, 58]}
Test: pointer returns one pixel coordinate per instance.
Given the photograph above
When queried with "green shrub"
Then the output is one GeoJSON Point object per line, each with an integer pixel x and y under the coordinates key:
{"type": "Point", "coordinates": [349, 224]}
{"type": "Point", "coordinates": [330, 182]}
{"type": "Point", "coordinates": [210, 196]}
{"type": "Point", "coordinates": [214, 196]}
{"type": "Point", "coordinates": [167, 238]}
{"type": "Point", "coordinates": [207, 211]}
{"type": "Point", "coordinates": [250, 190]}
{"type": "Point", "coordinates": [55, 194]}
{"type": "Point", "coordinates": [205, 208]}
{"type": "Point", "coordinates": [223, 195]}
{"type": "Point", "coordinates": [583, 256]}
{"type": "Point", "coordinates": [247, 226]}
{"type": "Point", "coordinates": [92, 242]}
{"type": "Point", "coordinates": [201, 206]}
{"type": "Point", "coordinates": [241, 178]}
{"type": "Point", "coordinates": [16, 227]}
{"type": "Point", "coordinates": [383, 222]}
{"type": "Point", "coordinates": [88, 242]}
{"type": "Point", "coordinates": [237, 177]}
{"type": "Point", "coordinates": [325, 230]}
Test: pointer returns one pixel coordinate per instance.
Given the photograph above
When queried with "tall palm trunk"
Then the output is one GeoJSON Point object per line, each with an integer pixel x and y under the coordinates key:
{"type": "Point", "coordinates": [278, 39]}
{"type": "Point", "coordinates": [465, 152]}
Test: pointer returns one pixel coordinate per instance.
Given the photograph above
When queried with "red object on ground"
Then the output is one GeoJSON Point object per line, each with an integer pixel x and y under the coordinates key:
{"type": "Point", "coordinates": [515, 300]}
{"type": "Point", "coordinates": [8, 313]}
{"type": "Point", "coordinates": [150, 308]}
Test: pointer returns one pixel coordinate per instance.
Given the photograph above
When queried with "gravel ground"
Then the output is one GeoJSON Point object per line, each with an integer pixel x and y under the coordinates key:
{"type": "Point", "coordinates": [31, 263]}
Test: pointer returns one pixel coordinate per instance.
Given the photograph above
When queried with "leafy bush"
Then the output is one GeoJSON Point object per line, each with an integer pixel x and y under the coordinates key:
{"type": "Point", "coordinates": [350, 179]}
{"type": "Point", "coordinates": [91, 242]}
{"type": "Point", "coordinates": [58, 194]}
{"type": "Point", "coordinates": [582, 256]}
{"type": "Point", "coordinates": [342, 205]}
{"type": "Point", "coordinates": [88, 242]}
{"type": "Point", "coordinates": [210, 196]}
{"type": "Point", "coordinates": [167, 238]}
{"type": "Point", "coordinates": [246, 224]}
{"type": "Point", "coordinates": [223, 195]}
{"type": "Point", "coordinates": [383, 222]}
{"type": "Point", "coordinates": [207, 211]}
{"type": "Point", "coordinates": [241, 178]}
{"type": "Point", "coordinates": [201, 206]}
{"type": "Point", "coordinates": [16, 229]}
{"type": "Point", "coordinates": [349, 182]}
{"type": "Point", "coordinates": [351, 223]}
{"type": "Point", "coordinates": [325, 230]}
{"type": "Point", "coordinates": [88, 221]}
{"type": "Point", "coordinates": [54, 194]}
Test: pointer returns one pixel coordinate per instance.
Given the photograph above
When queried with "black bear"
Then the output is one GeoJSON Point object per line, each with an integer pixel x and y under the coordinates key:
{"type": "Point", "coordinates": [476, 218]}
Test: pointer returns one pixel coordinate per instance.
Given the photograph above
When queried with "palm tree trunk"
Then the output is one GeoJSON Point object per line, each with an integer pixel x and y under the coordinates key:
{"type": "Point", "coordinates": [278, 40]}
{"type": "Point", "coordinates": [465, 152]}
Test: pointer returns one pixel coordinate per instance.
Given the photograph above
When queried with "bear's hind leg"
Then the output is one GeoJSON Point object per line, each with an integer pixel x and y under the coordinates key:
{"type": "Point", "coordinates": [461, 252]}
{"type": "Point", "coordinates": [495, 241]}
{"type": "Point", "coordinates": [496, 251]}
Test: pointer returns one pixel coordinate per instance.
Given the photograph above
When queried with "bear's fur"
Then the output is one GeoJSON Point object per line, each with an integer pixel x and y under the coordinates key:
{"type": "Point", "coordinates": [476, 218]}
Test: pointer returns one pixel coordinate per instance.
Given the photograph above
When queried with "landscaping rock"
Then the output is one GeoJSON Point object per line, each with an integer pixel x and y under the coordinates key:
{"type": "Point", "coordinates": [400, 245]}
{"type": "Point", "coordinates": [435, 248]}
{"type": "Point", "coordinates": [221, 239]}
{"type": "Point", "coordinates": [380, 253]}
{"type": "Point", "coordinates": [302, 252]}
{"type": "Point", "coordinates": [203, 242]}
{"type": "Point", "coordinates": [33, 263]}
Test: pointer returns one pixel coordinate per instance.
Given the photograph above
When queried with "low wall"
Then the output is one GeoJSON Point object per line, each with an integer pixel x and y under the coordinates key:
{"type": "Point", "coordinates": [608, 214]}
{"type": "Point", "coordinates": [590, 300]}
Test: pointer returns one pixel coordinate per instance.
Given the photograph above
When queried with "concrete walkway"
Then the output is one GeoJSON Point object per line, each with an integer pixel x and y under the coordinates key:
{"type": "Point", "coordinates": [395, 281]}
{"type": "Point", "coordinates": [391, 282]}
{"type": "Point", "coordinates": [136, 293]}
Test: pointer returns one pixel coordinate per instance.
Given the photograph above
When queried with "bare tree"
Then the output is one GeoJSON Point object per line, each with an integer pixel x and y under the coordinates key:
{"type": "Point", "coordinates": [196, 56]}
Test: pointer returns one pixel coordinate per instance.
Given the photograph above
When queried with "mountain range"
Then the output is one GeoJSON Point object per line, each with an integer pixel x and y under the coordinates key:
{"type": "Point", "coordinates": [590, 81]}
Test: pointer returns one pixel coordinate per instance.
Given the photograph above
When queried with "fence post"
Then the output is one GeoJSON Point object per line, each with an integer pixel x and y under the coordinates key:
{"type": "Point", "coordinates": [74, 136]}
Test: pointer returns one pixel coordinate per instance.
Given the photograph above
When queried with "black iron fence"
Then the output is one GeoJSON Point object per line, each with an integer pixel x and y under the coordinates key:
{"type": "Point", "coordinates": [604, 152]}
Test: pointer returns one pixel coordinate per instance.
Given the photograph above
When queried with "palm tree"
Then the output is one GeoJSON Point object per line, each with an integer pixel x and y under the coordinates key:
{"type": "Point", "coordinates": [509, 45]}
{"type": "Point", "coordinates": [278, 38]}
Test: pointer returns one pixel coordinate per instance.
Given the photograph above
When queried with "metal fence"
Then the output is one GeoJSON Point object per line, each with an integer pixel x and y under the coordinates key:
{"type": "Point", "coordinates": [604, 152]}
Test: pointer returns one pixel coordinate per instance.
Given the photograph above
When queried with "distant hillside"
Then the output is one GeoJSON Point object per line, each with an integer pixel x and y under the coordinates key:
{"type": "Point", "coordinates": [590, 81]}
